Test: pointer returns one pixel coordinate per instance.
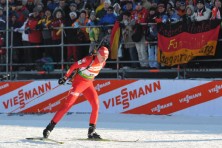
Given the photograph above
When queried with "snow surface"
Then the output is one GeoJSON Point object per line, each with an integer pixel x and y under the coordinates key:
{"type": "Point", "coordinates": [152, 131]}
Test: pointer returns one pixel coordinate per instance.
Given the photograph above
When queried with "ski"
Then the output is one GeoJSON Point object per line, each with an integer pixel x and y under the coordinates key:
{"type": "Point", "coordinates": [45, 140]}
{"type": "Point", "coordinates": [106, 140]}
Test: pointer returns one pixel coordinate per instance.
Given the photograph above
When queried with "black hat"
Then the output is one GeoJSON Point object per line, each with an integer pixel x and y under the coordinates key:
{"type": "Point", "coordinates": [200, 1]}
{"type": "Point", "coordinates": [152, 8]}
{"type": "Point", "coordinates": [110, 8]}
{"type": "Point", "coordinates": [182, 3]}
{"type": "Point", "coordinates": [161, 3]}
{"type": "Point", "coordinates": [83, 11]}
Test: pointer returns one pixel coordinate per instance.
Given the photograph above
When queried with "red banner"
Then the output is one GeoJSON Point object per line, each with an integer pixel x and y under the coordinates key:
{"type": "Point", "coordinates": [179, 43]}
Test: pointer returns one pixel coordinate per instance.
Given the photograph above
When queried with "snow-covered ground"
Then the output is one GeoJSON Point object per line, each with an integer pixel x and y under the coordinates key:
{"type": "Point", "coordinates": [152, 131]}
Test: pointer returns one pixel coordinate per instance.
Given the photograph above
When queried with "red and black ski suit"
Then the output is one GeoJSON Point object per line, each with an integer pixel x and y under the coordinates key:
{"type": "Point", "coordinates": [88, 68]}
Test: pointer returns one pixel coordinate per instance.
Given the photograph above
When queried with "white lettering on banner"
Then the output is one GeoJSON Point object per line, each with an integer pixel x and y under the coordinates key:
{"type": "Point", "coordinates": [26, 95]}
{"type": "Point", "coordinates": [216, 89]}
{"type": "Point", "coordinates": [51, 106]}
{"type": "Point", "coordinates": [159, 107]}
{"type": "Point", "coordinates": [187, 98]}
{"type": "Point", "coordinates": [4, 86]}
{"type": "Point", "coordinates": [99, 86]}
{"type": "Point", "coordinates": [126, 96]}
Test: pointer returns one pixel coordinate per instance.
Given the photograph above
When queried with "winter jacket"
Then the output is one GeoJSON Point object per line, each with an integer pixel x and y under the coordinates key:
{"type": "Point", "coordinates": [93, 31]}
{"type": "Point", "coordinates": [190, 18]}
{"type": "Point", "coordinates": [43, 25]}
{"type": "Point", "coordinates": [23, 13]}
{"type": "Point", "coordinates": [35, 36]}
{"type": "Point", "coordinates": [203, 14]}
{"type": "Point", "coordinates": [140, 16]}
{"type": "Point", "coordinates": [84, 72]}
{"type": "Point", "coordinates": [127, 32]}
{"type": "Point", "coordinates": [21, 30]}
{"type": "Point", "coordinates": [108, 19]}
{"type": "Point", "coordinates": [56, 32]}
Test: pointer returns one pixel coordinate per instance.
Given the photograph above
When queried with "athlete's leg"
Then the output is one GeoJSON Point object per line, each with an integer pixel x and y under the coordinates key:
{"type": "Point", "coordinates": [77, 88]}
{"type": "Point", "coordinates": [91, 95]}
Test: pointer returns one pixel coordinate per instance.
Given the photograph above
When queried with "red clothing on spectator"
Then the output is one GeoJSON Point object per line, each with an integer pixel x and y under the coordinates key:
{"type": "Point", "coordinates": [21, 14]}
{"type": "Point", "coordinates": [56, 32]}
{"type": "Point", "coordinates": [140, 16]}
{"type": "Point", "coordinates": [35, 36]}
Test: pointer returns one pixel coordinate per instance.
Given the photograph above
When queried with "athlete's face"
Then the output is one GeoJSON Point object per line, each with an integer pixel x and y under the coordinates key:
{"type": "Point", "coordinates": [101, 58]}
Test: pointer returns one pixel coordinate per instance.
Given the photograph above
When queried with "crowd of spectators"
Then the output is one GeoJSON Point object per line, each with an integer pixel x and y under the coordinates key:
{"type": "Point", "coordinates": [37, 22]}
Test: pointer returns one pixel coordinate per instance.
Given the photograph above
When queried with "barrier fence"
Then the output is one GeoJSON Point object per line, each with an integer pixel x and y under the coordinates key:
{"type": "Point", "coordinates": [9, 71]}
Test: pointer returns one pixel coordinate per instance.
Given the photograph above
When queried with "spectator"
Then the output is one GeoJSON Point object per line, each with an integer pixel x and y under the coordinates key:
{"type": "Point", "coordinates": [93, 31]}
{"type": "Point", "coordinates": [109, 17]}
{"type": "Point", "coordinates": [62, 7]}
{"type": "Point", "coordinates": [191, 2]}
{"type": "Point", "coordinates": [101, 13]}
{"type": "Point", "coordinates": [129, 6]}
{"type": "Point", "coordinates": [52, 4]}
{"type": "Point", "coordinates": [146, 4]}
{"type": "Point", "coordinates": [117, 9]}
{"type": "Point", "coordinates": [81, 21]}
{"type": "Point", "coordinates": [3, 5]}
{"type": "Point", "coordinates": [80, 4]}
{"type": "Point", "coordinates": [139, 15]}
{"type": "Point", "coordinates": [72, 50]}
{"type": "Point", "coordinates": [30, 5]}
{"type": "Point", "coordinates": [22, 11]}
{"type": "Point", "coordinates": [189, 14]}
{"type": "Point", "coordinates": [83, 36]}
{"type": "Point", "coordinates": [154, 3]}
{"type": "Point", "coordinates": [43, 26]}
{"type": "Point", "coordinates": [181, 11]}
{"type": "Point", "coordinates": [151, 37]}
{"type": "Point", "coordinates": [40, 7]}
{"type": "Point", "coordinates": [16, 39]}
{"type": "Point", "coordinates": [173, 17]}
{"type": "Point", "coordinates": [55, 25]}
{"type": "Point", "coordinates": [73, 8]}
{"type": "Point", "coordinates": [2, 21]}
{"type": "Point", "coordinates": [209, 4]}
{"type": "Point", "coordinates": [99, 5]}
{"type": "Point", "coordinates": [217, 10]}
{"type": "Point", "coordinates": [202, 13]}
{"type": "Point", "coordinates": [25, 42]}
{"type": "Point", "coordinates": [35, 36]}
{"type": "Point", "coordinates": [161, 13]}
{"type": "Point", "coordinates": [129, 45]}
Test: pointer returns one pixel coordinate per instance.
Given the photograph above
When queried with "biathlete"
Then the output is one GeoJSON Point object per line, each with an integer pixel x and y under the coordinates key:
{"type": "Point", "coordinates": [82, 82]}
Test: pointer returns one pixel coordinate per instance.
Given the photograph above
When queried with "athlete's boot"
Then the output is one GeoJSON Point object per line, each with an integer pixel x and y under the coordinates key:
{"type": "Point", "coordinates": [91, 132]}
{"type": "Point", "coordinates": [48, 129]}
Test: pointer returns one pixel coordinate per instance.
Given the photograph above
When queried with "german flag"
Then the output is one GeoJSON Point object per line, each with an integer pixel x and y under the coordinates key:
{"type": "Point", "coordinates": [114, 40]}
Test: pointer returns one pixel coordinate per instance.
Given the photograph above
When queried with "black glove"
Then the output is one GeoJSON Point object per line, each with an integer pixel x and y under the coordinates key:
{"type": "Point", "coordinates": [27, 30]}
{"type": "Point", "coordinates": [62, 80]}
{"type": "Point", "coordinates": [39, 27]}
